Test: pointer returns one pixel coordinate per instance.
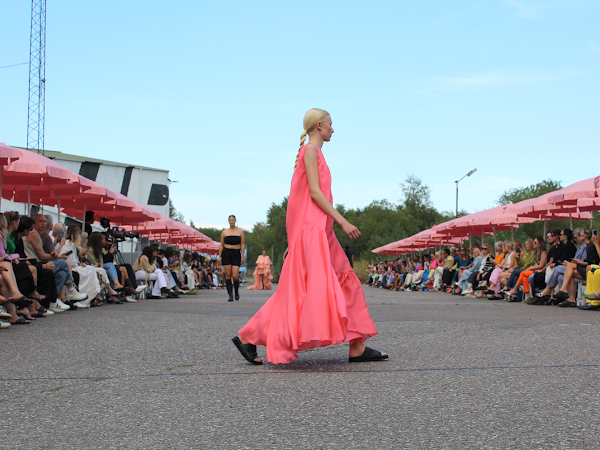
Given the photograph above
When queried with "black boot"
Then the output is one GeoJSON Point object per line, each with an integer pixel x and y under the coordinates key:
{"type": "Point", "coordinates": [229, 289]}
{"type": "Point", "coordinates": [236, 286]}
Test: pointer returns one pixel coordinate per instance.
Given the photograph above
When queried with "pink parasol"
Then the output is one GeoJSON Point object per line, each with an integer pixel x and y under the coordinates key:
{"type": "Point", "coordinates": [8, 154]}
{"type": "Point", "coordinates": [570, 194]}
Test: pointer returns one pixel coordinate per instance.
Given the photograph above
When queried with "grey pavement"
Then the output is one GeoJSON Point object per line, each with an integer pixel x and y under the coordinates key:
{"type": "Point", "coordinates": [163, 374]}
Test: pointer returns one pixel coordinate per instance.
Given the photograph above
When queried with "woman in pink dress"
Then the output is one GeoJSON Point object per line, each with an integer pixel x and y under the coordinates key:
{"type": "Point", "coordinates": [319, 300]}
{"type": "Point", "coordinates": [262, 273]}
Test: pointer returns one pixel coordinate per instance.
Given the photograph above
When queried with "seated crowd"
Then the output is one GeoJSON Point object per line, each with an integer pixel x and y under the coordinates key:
{"type": "Point", "coordinates": [47, 269]}
{"type": "Point", "coordinates": [541, 272]}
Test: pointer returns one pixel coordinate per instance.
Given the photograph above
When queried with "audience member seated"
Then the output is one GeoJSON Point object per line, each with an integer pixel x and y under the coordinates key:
{"type": "Point", "coordinates": [524, 260]}
{"type": "Point", "coordinates": [587, 255]}
{"type": "Point", "coordinates": [58, 233]}
{"type": "Point", "coordinates": [35, 252]}
{"type": "Point", "coordinates": [88, 278]}
{"type": "Point", "coordinates": [509, 262]}
{"type": "Point", "coordinates": [463, 282]}
{"type": "Point", "coordinates": [479, 274]}
{"type": "Point", "coordinates": [539, 263]}
{"type": "Point", "coordinates": [25, 273]}
{"type": "Point", "coordinates": [538, 280]}
{"type": "Point", "coordinates": [146, 271]}
{"type": "Point", "coordinates": [107, 272]}
{"type": "Point", "coordinates": [565, 253]}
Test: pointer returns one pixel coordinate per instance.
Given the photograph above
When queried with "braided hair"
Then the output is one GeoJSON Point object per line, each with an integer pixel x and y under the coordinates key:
{"type": "Point", "coordinates": [311, 118]}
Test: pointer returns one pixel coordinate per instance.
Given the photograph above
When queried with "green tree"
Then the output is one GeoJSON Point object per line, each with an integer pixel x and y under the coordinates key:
{"type": "Point", "coordinates": [535, 229]}
{"type": "Point", "coordinates": [174, 214]}
{"type": "Point", "coordinates": [517, 195]}
{"type": "Point", "coordinates": [417, 202]}
{"type": "Point", "coordinates": [212, 233]}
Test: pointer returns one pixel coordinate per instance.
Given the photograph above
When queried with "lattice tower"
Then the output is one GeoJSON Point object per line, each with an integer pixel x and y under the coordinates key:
{"type": "Point", "coordinates": [37, 77]}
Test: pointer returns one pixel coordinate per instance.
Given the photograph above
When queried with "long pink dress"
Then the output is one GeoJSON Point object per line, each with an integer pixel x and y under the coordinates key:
{"type": "Point", "coordinates": [262, 274]}
{"type": "Point", "coordinates": [319, 299]}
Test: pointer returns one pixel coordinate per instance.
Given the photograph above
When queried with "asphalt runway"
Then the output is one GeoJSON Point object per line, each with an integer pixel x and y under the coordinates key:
{"type": "Point", "coordinates": [163, 374]}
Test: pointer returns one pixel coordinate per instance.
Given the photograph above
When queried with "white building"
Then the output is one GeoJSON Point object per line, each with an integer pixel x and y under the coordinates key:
{"type": "Point", "coordinates": [144, 185]}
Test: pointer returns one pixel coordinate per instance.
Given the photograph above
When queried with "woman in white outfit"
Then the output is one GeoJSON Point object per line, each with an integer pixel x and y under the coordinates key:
{"type": "Point", "coordinates": [186, 266]}
{"type": "Point", "coordinates": [88, 281]}
{"type": "Point", "coordinates": [146, 270]}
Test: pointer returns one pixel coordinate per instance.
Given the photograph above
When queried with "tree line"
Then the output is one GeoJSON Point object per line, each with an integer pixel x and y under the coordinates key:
{"type": "Point", "coordinates": [382, 221]}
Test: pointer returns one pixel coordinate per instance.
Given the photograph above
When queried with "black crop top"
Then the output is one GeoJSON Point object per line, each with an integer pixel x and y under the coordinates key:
{"type": "Point", "coordinates": [233, 240]}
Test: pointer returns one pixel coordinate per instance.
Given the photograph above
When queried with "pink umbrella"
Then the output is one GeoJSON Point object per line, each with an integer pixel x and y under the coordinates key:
{"type": "Point", "coordinates": [8, 154]}
{"type": "Point", "coordinates": [582, 189]}
{"type": "Point", "coordinates": [34, 175]}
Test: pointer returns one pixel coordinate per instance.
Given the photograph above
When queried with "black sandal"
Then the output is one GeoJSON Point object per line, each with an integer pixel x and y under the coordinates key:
{"type": "Point", "coordinates": [368, 355]}
{"type": "Point", "coordinates": [20, 321]}
{"type": "Point", "coordinates": [22, 302]}
{"type": "Point", "coordinates": [25, 314]}
{"type": "Point", "coordinates": [494, 297]}
{"type": "Point", "coordinates": [39, 298]}
{"type": "Point", "coordinates": [248, 351]}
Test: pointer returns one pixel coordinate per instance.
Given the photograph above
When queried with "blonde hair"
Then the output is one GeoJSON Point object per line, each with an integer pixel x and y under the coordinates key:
{"type": "Point", "coordinates": [3, 228]}
{"type": "Point", "coordinates": [311, 118]}
{"type": "Point", "coordinates": [74, 235]}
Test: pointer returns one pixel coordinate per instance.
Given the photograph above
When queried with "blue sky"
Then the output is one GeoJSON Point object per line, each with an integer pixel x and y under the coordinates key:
{"type": "Point", "coordinates": [216, 92]}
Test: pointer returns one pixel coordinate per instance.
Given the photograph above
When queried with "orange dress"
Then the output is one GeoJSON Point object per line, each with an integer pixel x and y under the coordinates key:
{"type": "Point", "coordinates": [319, 299]}
{"type": "Point", "coordinates": [262, 274]}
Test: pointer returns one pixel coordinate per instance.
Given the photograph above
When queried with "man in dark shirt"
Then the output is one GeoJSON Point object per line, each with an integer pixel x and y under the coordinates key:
{"type": "Point", "coordinates": [553, 238]}
{"type": "Point", "coordinates": [565, 253]}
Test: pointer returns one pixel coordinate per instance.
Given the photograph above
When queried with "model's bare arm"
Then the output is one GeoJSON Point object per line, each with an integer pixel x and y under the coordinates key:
{"type": "Point", "coordinates": [312, 173]}
{"type": "Point", "coordinates": [222, 244]}
{"type": "Point", "coordinates": [242, 247]}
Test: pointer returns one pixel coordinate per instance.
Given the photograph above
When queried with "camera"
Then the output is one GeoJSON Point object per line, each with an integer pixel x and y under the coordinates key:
{"type": "Point", "coordinates": [116, 234]}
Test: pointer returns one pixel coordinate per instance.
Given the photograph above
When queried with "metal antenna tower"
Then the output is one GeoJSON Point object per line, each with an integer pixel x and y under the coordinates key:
{"type": "Point", "coordinates": [37, 77]}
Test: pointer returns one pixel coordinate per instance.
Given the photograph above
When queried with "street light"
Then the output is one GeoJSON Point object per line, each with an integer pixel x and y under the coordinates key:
{"type": "Point", "coordinates": [467, 175]}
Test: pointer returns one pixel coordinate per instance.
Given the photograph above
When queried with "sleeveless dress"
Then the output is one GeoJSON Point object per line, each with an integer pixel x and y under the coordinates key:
{"type": "Point", "coordinates": [319, 299]}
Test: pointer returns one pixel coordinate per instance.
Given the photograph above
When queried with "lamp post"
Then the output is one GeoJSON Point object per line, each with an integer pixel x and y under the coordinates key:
{"type": "Point", "coordinates": [467, 175]}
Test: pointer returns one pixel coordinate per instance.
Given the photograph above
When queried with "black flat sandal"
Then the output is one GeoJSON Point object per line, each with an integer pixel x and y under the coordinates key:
{"type": "Point", "coordinates": [369, 355]}
{"type": "Point", "coordinates": [248, 351]}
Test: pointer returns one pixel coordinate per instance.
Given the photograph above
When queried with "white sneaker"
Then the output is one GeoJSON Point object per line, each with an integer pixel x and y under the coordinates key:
{"type": "Point", "coordinates": [3, 313]}
{"type": "Point", "coordinates": [130, 300]}
{"type": "Point", "coordinates": [58, 306]}
{"type": "Point", "coordinates": [467, 292]}
{"type": "Point", "coordinates": [73, 295]}
{"type": "Point", "coordinates": [49, 313]}
{"type": "Point", "coordinates": [83, 304]}
{"type": "Point", "coordinates": [4, 324]}
{"type": "Point", "coordinates": [141, 288]}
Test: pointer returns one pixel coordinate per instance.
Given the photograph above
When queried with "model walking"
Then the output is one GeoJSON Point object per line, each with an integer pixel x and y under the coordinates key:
{"type": "Point", "coordinates": [319, 300]}
{"type": "Point", "coordinates": [231, 256]}
{"type": "Point", "coordinates": [262, 274]}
